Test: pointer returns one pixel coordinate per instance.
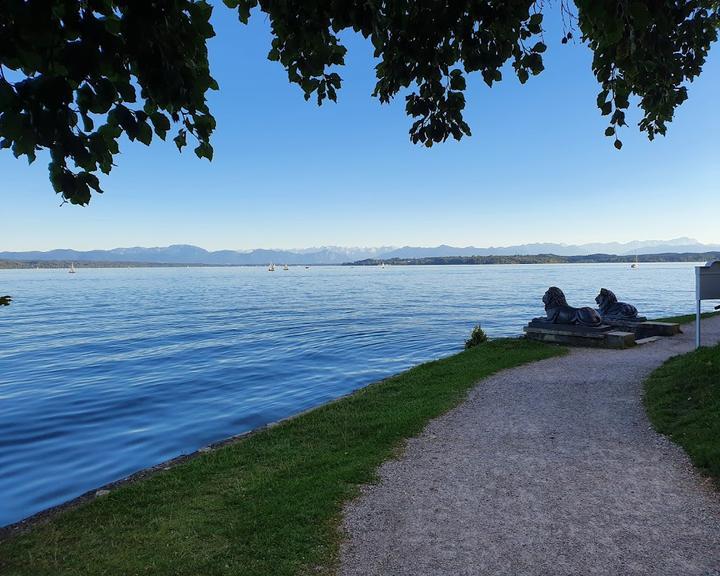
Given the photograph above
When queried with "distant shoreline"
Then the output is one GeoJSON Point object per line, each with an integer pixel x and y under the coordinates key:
{"type": "Point", "coordinates": [429, 261]}
{"type": "Point", "coordinates": [541, 259]}
{"type": "Point", "coordinates": [60, 264]}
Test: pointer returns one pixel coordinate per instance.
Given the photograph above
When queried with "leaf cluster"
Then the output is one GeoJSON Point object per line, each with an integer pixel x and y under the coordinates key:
{"type": "Point", "coordinates": [426, 47]}
{"type": "Point", "coordinates": [644, 48]}
{"type": "Point", "coordinates": [77, 76]}
{"type": "Point", "coordinates": [649, 49]}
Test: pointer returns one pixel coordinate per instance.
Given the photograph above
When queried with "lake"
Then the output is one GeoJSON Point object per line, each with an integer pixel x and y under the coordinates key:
{"type": "Point", "coordinates": [109, 371]}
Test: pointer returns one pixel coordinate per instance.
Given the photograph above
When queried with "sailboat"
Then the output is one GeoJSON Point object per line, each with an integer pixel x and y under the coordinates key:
{"type": "Point", "coordinates": [634, 264]}
{"type": "Point", "coordinates": [271, 268]}
{"type": "Point", "coordinates": [72, 268]}
{"type": "Point", "coordinates": [286, 267]}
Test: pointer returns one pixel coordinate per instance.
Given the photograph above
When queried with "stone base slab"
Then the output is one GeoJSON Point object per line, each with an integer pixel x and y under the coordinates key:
{"type": "Point", "coordinates": [647, 329]}
{"type": "Point", "coordinates": [573, 336]}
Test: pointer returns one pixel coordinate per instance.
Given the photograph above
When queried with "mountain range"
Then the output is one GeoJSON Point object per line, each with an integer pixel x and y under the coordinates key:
{"type": "Point", "coordinates": [677, 245]}
{"type": "Point", "coordinates": [188, 254]}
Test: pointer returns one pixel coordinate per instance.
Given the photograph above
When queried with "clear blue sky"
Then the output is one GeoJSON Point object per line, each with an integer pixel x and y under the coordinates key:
{"type": "Point", "coordinates": [289, 174]}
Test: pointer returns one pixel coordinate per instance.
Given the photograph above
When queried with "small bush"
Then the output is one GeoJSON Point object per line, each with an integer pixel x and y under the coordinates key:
{"type": "Point", "coordinates": [477, 337]}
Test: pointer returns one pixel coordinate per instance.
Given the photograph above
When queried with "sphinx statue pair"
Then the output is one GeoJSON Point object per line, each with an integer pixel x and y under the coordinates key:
{"type": "Point", "coordinates": [609, 311]}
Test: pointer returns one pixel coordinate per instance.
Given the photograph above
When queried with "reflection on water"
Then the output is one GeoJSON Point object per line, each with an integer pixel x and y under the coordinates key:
{"type": "Point", "coordinates": [105, 372]}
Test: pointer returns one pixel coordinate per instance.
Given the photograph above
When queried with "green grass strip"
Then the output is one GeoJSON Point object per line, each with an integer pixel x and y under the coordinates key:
{"type": "Point", "coordinates": [268, 504]}
{"type": "Point", "coordinates": [685, 318]}
{"type": "Point", "coordinates": [682, 399]}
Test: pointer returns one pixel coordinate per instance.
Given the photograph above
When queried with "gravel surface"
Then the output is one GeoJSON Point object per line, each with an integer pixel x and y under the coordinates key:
{"type": "Point", "coordinates": [550, 468]}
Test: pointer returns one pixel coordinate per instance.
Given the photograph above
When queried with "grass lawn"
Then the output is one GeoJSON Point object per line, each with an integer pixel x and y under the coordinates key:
{"type": "Point", "coordinates": [685, 318]}
{"type": "Point", "coordinates": [268, 504]}
{"type": "Point", "coordinates": [682, 399]}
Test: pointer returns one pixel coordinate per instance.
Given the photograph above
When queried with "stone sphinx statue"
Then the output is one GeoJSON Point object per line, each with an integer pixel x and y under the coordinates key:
{"type": "Point", "coordinates": [559, 312]}
{"type": "Point", "coordinates": [612, 310]}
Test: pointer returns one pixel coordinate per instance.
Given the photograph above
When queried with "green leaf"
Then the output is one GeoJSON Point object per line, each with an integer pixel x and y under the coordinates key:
{"type": "Point", "coordinates": [602, 98]}
{"type": "Point", "coordinates": [161, 124]}
{"type": "Point", "coordinates": [85, 98]}
{"type": "Point", "coordinates": [181, 139]}
{"type": "Point", "coordinates": [535, 23]}
{"type": "Point", "coordinates": [144, 133]}
{"type": "Point", "coordinates": [90, 180]}
{"type": "Point", "coordinates": [457, 82]}
{"type": "Point", "coordinates": [204, 150]}
{"type": "Point", "coordinates": [534, 63]}
{"type": "Point", "coordinates": [88, 124]}
{"type": "Point", "coordinates": [126, 91]}
{"type": "Point", "coordinates": [244, 11]}
{"type": "Point", "coordinates": [105, 96]}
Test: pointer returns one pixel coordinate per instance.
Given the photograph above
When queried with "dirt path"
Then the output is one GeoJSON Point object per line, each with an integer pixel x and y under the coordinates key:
{"type": "Point", "coordinates": [551, 468]}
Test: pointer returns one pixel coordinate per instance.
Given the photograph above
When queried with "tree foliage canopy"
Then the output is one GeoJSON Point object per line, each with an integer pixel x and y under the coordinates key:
{"type": "Point", "coordinates": [75, 76]}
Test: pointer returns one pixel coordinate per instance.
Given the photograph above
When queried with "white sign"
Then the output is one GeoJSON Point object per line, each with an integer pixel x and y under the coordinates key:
{"type": "Point", "coordinates": [707, 287]}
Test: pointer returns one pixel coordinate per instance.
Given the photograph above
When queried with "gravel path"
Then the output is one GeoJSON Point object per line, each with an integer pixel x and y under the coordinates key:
{"type": "Point", "coordinates": [550, 468]}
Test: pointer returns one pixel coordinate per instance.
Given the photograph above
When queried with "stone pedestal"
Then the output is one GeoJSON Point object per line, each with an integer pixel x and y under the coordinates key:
{"type": "Point", "coordinates": [601, 337]}
{"type": "Point", "coordinates": [575, 328]}
{"type": "Point", "coordinates": [646, 329]}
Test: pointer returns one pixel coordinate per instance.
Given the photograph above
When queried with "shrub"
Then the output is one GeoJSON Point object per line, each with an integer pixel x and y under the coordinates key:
{"type": "Point", "coordinates": [477, 337]}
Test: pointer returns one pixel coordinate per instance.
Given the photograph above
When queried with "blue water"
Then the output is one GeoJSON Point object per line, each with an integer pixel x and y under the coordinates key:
{"type": "Point", "coordinates": [105, 372]}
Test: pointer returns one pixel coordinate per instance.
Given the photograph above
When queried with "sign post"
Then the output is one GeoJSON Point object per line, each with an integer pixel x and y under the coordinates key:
{"type": "Point", "coordinates": [707, 287]}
